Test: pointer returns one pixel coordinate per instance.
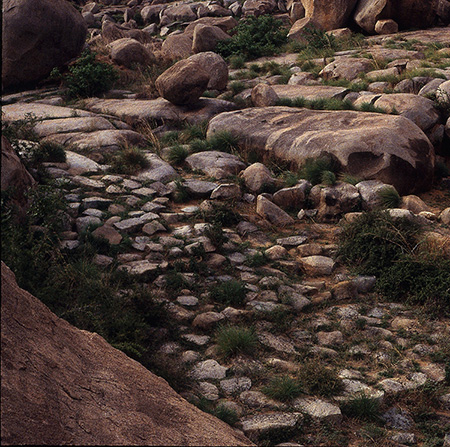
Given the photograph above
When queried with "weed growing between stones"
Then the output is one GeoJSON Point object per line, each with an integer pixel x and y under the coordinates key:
{"type": "Point", "coordinates": [362, 407]}
{"type": "Point", "coordinates": [177, 154]}
{"type": "Point", "coordinates": [254, 37]}
{"type": "Point", "coordinates": [314, 169]}
{"type": "Point", "coordinates": [283, 388]}
{"type": "Point", "coordinates": [226, 414]}
{"type": "Point", "coordinates": [230, 293]}
{"type": "Point", "coordinates": [317, 379]}
{"type": "Point", "coordinates": [233, 340]}
{"type": "Point", "coordinates": [390, 198]}
{"type": "Point", "coordinates": [89, 77]}
{"type": "Point", "coordinates": [129, 161]}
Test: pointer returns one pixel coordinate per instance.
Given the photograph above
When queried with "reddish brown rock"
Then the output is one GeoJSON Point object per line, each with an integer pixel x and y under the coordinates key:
{"type": "Point", "coordinates": [38, 35]}
{"type": "Point", "coordinates": [61, 385]}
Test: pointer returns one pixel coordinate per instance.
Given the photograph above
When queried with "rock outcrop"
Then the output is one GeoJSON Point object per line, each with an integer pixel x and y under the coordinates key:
{"type": "Point", "coordinates": [37, 36]}
{"type": "Point", "coordinates": [329, 15]}
{"type": "Point", "coordinates": [371, 146]}
{"type": "Point", "coordinates": [61, 385]}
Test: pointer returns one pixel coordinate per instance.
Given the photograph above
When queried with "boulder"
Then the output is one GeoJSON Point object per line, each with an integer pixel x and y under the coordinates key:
{"type": "Point", "coordinates": [258, 7]}
{"type": "Point", "coordinates": [37, 36]}
{"type": "Point", "coordinates": [329, 15]}
{"type": "Point", "coordinates": [257, 177]}
{"type": "Point", "coordinates": [294, 197]}
{"type": "Point", "coordinates": [224, 23]}
{"type": "Point", "coordinates": [367, 145]}
{"type": "Point", "coordinates": [346, 68]}
{"type": "Point", "coordinates": [215, 66]}
{"type": "Point", "coordinates": [299, 29]}
{"type": "Point", "coordinates": [264, 95]}
{"type": "Point", "coordinates": [414, 13]}
{"type": "Point", "coordinates": [273, 213]}
{"type": "Point", "coordinates": [15, 178]}
{"type": "Point", "coordinates": [183, 83]}
{"type": "Point", "coordinates": [215, 164]}
{"type": "Point", "coordinates": [127, 52]}
{"type": "Point", "coordinates": [177, 46]}
{"type": "Point", "coordinates": [368, 12]}
{"type": "Point", "coordinates": [178, 13]}
{"type": "Point", "coordinates": [388, 26]}
{"type": "Point", "coordinates": [206, 37]}
{"type": "Point", "coordinates": [71, 369]}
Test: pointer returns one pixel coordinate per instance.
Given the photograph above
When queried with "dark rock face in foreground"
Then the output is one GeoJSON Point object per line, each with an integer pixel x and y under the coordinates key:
{"type": "Point", "coordinates": [38, 35]}
{"type": "Point", "coordinates": [61, 385]}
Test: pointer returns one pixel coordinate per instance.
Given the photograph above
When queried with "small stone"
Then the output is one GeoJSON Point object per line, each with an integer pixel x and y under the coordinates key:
{"type": "Point", "coordinates": [319, 409]}
{"type": "Point", "coordinates": [153, 227]}
{"type": "Point", "coordinates": [334, 338]}
{"type": "Point", "coordinates": [260, 424]}
{"type": "Point", "coordinates": [207, 320]}
{"type": "Point", "coordinates": [317, 265]}
{"type": "Point", "coordinates": [199, 340]}
{"type": "Point", "coordinates": [208, 391]}
{"type": "Point", "coordinates": [209, 369]}
{"type": "Point", "coordinates": [187, 300]}
{"type": "Point", "coordinates": [235, 385]}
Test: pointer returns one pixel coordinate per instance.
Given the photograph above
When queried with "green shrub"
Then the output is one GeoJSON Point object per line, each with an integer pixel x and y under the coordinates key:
{"type": "Point", "coordinates": [88, 77]}
{"type": "Point", "coordinates": [129, 161]}
{"type": "Point", "coordinates": [283, 388]}
{"type": "Point", "coordinates": [233, 340]}
{"type": "Point", "coordinates": [389, 197]}
{"type": "Point", "coordinates": [231, 293]}
{"type": "Point", "coordinates": [48, 151]}
{"type": "Point", "coordinates": [177, 154]}
{"type": "Point", "coordinates": [362, 407]}
{"type": "Point", "coordinates": [318, 379]}
{"type": "Point", "coordinates": [348, 178]}
{"type": "Point", "coordinates": [328, 178]}
{"type": "Point", "coordinates": [374, 242]}
{"type": "Point", "coordinates": [237, 87]}
{"type": "Point", "coordinates": [226, 414]}
{"type": "Point", "coordinates": [199, 145]}
{"type": "Point", "coordinates": [418, 281]}
{"type": "Point", "coordinates": [222, 214]}
{"type": "Point", "coordinates": [254, 37]}
{"type": "Point", "coordinates": [314, 168]}
{"type": "Point", "coordinates": [237, 61]}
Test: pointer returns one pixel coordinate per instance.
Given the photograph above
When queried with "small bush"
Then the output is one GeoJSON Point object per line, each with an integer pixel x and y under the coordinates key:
{"type": "Point", "coordinates": [374, 242]}
{"type": "Point", "coordinates": [255, 37]}
{"type": "Point", "coordinates": [316, 378]}
{"type": "Point", "coordinates": [228, 415]}
{"type": "Point", "coordinates": [328, 178]}
{"type": "Point", "coordinates": [231, 293]}
{"type": "Point", "coordinates": [348, 178]}
{"type": "Point", "coordinates": [314, 168]}
{"type": "Point", "coordinates": [177, 154]}
{"type": "Point", "coordinates": [199, 145]}
{"type": "Point", "coordinates": [88, 77]}
{"type": "Point", "coordinates": [222, 214]}
{"type": "Point", "coordinates": [389, 197]}
{"type": "Point", "coordinates": [362, 407]}
{"type": "Point", "coordinates": [237, 87]}
{"type": "Point", "coordinates": [237, 61]}
{"type": "Point", "coordinates": [233, 340]}
{"type": "Point", "coordinates": [283, 388]}
{"type": "Point", "coordinates": [48, 151]}
{"type": "Point", "coordinates": [129, 161]}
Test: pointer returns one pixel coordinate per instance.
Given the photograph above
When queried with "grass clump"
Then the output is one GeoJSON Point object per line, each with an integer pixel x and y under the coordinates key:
{"type": "Point", "coordinates": [177, 154]}
{"type": "Point", "coordinates": [129, 161]}
{"type": "Point", "coordinates": [389, 197]}
{"type": "Point", "coordinates": [230, 293]}
{"type": "Point", "coordinates": [223, 141]}
{"type": "Point", "coordinates": [48, 151]}
{"type": "Point", "coordinates": [226, 414]}
{"type": "Point", "coordinates": [222, 214]}
{"type": "Point", "coordinates": [283, 388]}
{"type": "Point", "coordinates": [314, 169]}
{"type": "Point", "coordinates": [362, 407]}
{"type": "Point", "coordinates": [233, 340]}
{"type": "Point", "coordinates": [254, 37]}
{"type": "Point", "coordinates": [318, 379]}
{"type": "Point", "coordinates": [89, 77]}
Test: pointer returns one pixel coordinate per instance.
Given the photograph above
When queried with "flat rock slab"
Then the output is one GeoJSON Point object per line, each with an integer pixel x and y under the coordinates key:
{"type": "Point", "coordinates": [309, 92]}
{"type": "Point", "coordinates": [104, 140]}
{"type": "Point", "coordinates": [319, 409]}
{"type": "Point", "coordinates": [75, 124]}
{"type": "Point", "coordinates": [431, 35]}
{"type": "Point", "coordinates": [216, 164]}
{"type": "Point", "coordinates": [159, 110]}
{"type": "Point", "coordinates": [368, 145]}
{"type": "Point", "coordinates": [22, 110]}
{"type": "Point", "coordinates": [159, 170]}
{"type": "Point", "coordinates": [261, 424]}
{"type": "Point", "coordinates": [79, 164]}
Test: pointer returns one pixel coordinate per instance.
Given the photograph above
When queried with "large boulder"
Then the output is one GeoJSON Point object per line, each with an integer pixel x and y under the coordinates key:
{"type": "Point", "coordinates": [38, 35]}
{"type": "Point", "coordinates": [61, 385]}
{"type": "Point", "coordinates": [183, 83]}
{"type": "Point", "coordinates": [127, 52]}
{"type": "Point", "coordinates": [206, 37]}
{"type": "Point", "coordinates": [177, 46]}
{"type": "Point", "coordinates": [329, 15]}
{"type": "Point", "coordinates": [15, 179]}
{"type": "Point", "coordinates": [367, 145]}
{"type": "Point", "coordinates": [414, 13]}
{"type": "Point", "coordinates": [368, 12]}
{"type": "Point", "coordinates": [215, 66]}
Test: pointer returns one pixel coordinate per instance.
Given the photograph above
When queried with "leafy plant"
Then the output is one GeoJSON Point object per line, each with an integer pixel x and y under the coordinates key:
{"type": "Point", "coordinates": [231, 293]}
{"type": "Point", "coordinates": [283, 388]}
{"type": "Point", "coordinates": [89, 77]}
{"type": "Point", "coordinates": [254, 37]}
{"type": "Point", "coordinates": [233, 340]}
